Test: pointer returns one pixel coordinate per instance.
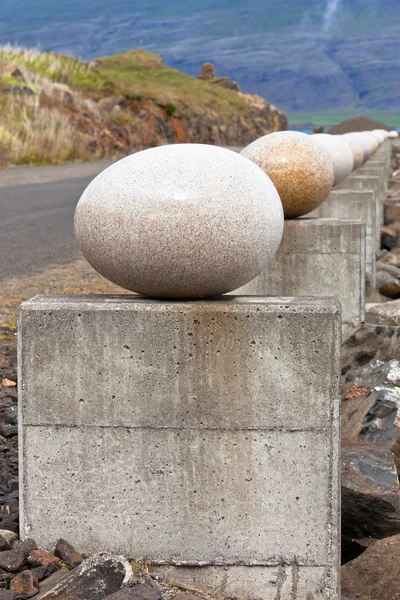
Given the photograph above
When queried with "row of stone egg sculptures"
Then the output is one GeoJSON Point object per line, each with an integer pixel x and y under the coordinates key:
{"type": "Point", "coordinates": [192, 221]}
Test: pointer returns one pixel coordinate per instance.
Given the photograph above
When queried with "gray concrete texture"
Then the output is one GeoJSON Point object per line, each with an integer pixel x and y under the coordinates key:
{"type": "Point", "coordinates": [382, 157]}
{"type": "Point", "coordinates": [318, 257]}
{"type": "Point", "coordinates": [373, 171]}
{"type": "Point", "coordinates": [195, 434]}
{"type": "Point", "coordinates": [366, 184]}
{"type": "Point", "coordinates": [354, 205]}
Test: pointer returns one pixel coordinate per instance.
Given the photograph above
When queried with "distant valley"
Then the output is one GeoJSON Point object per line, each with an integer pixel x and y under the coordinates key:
{"type": "Point", "coordinates": [301, 55]}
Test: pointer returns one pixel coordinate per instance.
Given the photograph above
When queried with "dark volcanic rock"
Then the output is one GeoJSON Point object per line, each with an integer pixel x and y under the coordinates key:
{"type": "Point", "coordinates": [185, 596]}
{"type": "Point", "coordinates": [8, 430]}
{"type": "Point", "coordinates": [6, 595]}
{"type": "Point", "coordinates": [10, 521]}
{"type": "Point", "coordinates": [68, 554]}
{"type": "Point", "coordinates": [389, 237]}
{"type": "Point", "coordinates": [375, 575]}
{"type": "Point", "coordinates": [369, 342]}
{"type": "Point", "coordinates": [41, 558]}
{"type": "Point", "coordinates": [51, 581]}
{"type": "Point", "coordinates": [25, 585]}
{"type": "Point", "coordinates": [94, 579]}
{"type": "Point", "coordinates": [383, 313]}
{"type": "Point", "coordinates": [7, 538]}
{"type": "Point", "coordinates": [41, 572]}
{"type": "Point", "coordinates": [137, 592]}
{"type": "Point", "coordinates": [370, 492]}
{"type": "Point", "coordinates": [12, 560]}
{"type": "Point", "coordinates": [387, 284]}
{"type": "Point", "coordinates": [371, 406]}
{"type": "Point", "coordinates": [26, 546]}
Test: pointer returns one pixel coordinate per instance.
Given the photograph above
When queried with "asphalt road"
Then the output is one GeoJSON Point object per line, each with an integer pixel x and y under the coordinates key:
{"type": "Point", "coordinates": [36, 225]}
{"type": "Point", "coordinates": [37, 206]}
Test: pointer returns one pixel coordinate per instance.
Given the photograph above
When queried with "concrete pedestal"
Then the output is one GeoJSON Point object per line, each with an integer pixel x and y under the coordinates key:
{"type": "Point", "coordinates": [318, 257]}
{"type": "Point", "coordinates": [369, 183]}
{"type": "Point", "coordinates": [384, 152]}
{"type": "Point", "coordinates": [373, 171]}
{"type": "Point", "coordinates": [203, 436]}
{"type": "Point", "coordinates": [381, 163]}
{"type": "Point", "coordinates": [354, 205]}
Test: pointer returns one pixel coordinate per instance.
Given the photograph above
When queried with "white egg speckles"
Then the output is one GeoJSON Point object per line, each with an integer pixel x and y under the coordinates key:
{"type": "Point", "coordinates": [299, 167]}
{"type": "Point", "coordinates": [340, 153]}
{"type": "Point", "coordinates": [181, 221]}
{"type": "Point", "coordinates": [373, 141]}
{"type": "Point", "coordinates": [365, 143]}
{"type": "Point", "coordinates": [356, 149]}
{"type": "Point", "coordinates": [378, 136]}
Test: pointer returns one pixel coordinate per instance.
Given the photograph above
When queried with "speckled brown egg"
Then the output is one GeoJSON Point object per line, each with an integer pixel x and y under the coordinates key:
{"type": "Point", "coordinates": [299, 167]}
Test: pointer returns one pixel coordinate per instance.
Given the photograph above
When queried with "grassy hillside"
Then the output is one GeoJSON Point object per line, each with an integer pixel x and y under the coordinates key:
{"type": "Point", "coordinates": [55, 108]}
{"type": "Point", "coordinates": [134, 74]}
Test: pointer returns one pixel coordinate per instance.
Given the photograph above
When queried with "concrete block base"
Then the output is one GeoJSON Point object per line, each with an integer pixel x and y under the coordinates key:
{"type": "Point", "coordinates": [354, 205]}
{"type": "Point", "coordinates": [267, 583]}
{"type": "Point", "coordinates": [318, 257]}
{"type": "Point", "coordinates": [364, 183]}
{"type": "Point", "coordinates": [202, 436]}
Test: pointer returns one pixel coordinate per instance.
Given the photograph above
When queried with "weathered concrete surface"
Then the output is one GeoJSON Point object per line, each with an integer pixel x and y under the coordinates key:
{"type": "Point", "coordinates": [385, 153]}
{"type": "Point", "coordinates": [366, 184]}
{"type": "Point", "coordinates": [286, 582]}
{"type": "Point", "coordinates": [318, 257]}
{"type": "Point", "coordinates": [377, 169]}
{"type": "Point", "coordinates": [383, 162]}
{"type": "Point", "coordinates": [354, 205]}
{"type": "Point", "coordinates": [192, 433]}
{"type": "Point", "coordinates": [372, 171]}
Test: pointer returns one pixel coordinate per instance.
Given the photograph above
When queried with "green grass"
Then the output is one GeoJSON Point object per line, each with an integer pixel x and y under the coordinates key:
{"type": "Point", "coordinates": [7, 80]}
{"type": "Point", "coordinates": [143, 75]}
{"type": "Point", "coordinates": [42, 130]}
{"type": "Point", "coordinates": [57, 68]}
{"type": "Point", "coordinates": [134, 74]}
{"type": "Point", "coordinates": [330, 118]}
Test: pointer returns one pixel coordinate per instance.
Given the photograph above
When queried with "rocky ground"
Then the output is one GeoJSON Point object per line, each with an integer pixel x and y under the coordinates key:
{"type": "Point", "coordinates": [370, 453]}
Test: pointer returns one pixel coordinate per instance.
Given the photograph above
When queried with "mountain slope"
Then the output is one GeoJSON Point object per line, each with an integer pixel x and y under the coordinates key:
{"type": "Point", "coordinates": [54, 108]}
{"type": "Point", "coordinates": [299, 54]}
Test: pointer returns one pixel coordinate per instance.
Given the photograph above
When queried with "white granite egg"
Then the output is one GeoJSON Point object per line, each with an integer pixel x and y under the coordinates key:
{"type": "Point", "coordinates": [180, 221]}
{"type": "Point", "coordinates": [378, 136]}
{"type": "Point", "coordinates": [373, 140]}
{"type": "Point", "coordinates": [340, 153]}
{"type": "Point", "coordinates": [356, 149]}
{"type": "Point", "coordinates": [393, 134]}
{"type": "Point", "coordinates": [382, 133]}
{"type": "Point", "coordinates": [365, 143]}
